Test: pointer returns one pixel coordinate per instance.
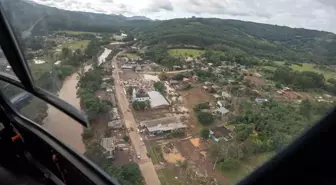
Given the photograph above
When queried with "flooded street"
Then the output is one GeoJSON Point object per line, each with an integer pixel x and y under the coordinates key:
{"type": "Point", "coordinates": [61, 125]}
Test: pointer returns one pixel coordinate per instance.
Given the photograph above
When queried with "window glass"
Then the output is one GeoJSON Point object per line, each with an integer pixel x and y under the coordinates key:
{"type": "Point", "coordinates": [5, 67]}
{"type": "Point", "coordinates": [191, 100]}
{"type": "Point", "coordinates": [50, 118]}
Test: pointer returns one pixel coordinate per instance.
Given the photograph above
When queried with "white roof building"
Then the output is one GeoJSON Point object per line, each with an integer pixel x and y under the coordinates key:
{"type": "Point", "coordinates": [162, 125]}
{"type": "Point", "coordinates": [109, 145]}
{"type": "Point", "coordinates": [157, 100]}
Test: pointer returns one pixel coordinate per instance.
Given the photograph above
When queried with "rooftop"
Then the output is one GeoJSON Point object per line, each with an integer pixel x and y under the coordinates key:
{"type": "Point", "coordinates": [156, 99]}
{"type": "Point", "coordinates": [163, 124]}
{"type": "Point", "coordinates": [107, 143]}
{"type": "Point", "coordinates": [222, 110]}
{"type": "Point", "coordinates": [220, 132]}
{"type": "Point", "coordinates": [116, 124]}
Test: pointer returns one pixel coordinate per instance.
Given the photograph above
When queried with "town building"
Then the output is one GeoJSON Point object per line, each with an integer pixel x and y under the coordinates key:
{"type": "Point", "coordinates": [127, 66]}
{"type": "Point", "coordinates": [226, 95]}
{"type": "Point", "coordinates": [139, 95]}
{"type": "Point", "coordinates": [221, 133]}
{"type": "Point", "coordinates": [162, 125]}
{"type": "Point", "coordinates": [260, 100]}
{"type": "Point", "coordinates": [115, 124]}
{"type": "Point", "coordinates": [221, 111]}
{"type": "Point", "coordinates": [109, 145]}
{"type": "Point", "coordinates": [221, 103]}
{"type": "Point", "coordinates": [157, 100]}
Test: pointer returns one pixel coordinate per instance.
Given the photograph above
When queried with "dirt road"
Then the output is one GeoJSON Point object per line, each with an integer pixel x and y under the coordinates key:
{"type": "Point", "coordinates": [145, 164]}
{"type": "Point", "coordinates": [167, 72]}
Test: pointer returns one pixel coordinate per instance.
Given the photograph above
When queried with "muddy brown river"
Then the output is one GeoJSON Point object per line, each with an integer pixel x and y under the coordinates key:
{"type": "Point", "coordinates": [62, 126]}
{"type": "Point", "coordinates": [58, 123]}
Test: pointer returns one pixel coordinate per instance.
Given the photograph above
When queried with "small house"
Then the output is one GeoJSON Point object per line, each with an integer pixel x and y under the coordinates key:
{"type": "Point", "coordinates": [115, 124]}
{"type": "Point", "coordinates": [186, 80]}
{"type": "Point", "coordinates": [216, 96]}
{"type": "Point", "coordinates": [216, 87]}
{"type": "Point", "coordinates": [221, 103]}
{"type": "Point", "coordinates": [260, 100]}
{"type": "Point", "coordinates": [109, 145]}
{"type": "Point", "coordinates": [220, 111]}
{"type": "Point", "coordinates": [207, 83]}
{"type": "Point", "coordinates": [226, 95]}
{"type": "Point", "coordinates": [173, 82]}
{"type": "Point", "coordinates": [221, 133]}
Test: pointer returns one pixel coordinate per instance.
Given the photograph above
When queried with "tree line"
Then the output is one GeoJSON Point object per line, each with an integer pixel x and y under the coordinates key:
{"type": "Point", "coordinates": [304, 80]}
{"type": "Point", "coordinates": [266, 127]}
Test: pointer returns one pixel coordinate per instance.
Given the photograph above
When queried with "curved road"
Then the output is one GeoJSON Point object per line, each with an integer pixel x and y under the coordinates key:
{"type": "Point", "coordinates": [145, 163]}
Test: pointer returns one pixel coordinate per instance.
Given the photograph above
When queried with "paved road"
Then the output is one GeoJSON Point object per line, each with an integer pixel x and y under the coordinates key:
{"type": "Point", "coordinates": [145, 164]}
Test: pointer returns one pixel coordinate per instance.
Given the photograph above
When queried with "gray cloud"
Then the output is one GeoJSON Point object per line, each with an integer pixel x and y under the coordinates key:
{"type": "Point", "coordinates": [312, 14]}
{"type": "Point", "coordinates": [328, 2]}
{"type": "Point", "coordinates": [107, 1]}
{"type": "Point", "coordinates": [223, 7]}
{"type": "Point", "coordinates": [158, 5]}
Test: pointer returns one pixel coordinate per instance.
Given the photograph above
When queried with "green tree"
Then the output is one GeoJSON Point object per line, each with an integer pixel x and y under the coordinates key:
{"type": "Point", "coordinates": [243, 131]}
{"type": "Point", "coordinates": [205, 133]}
{"type": "Point", "coordinates": [306, 108]}
{"type": "Point", "coordinates": [163, 76]}
{"type": "Point", "coordinates": [229, 163]}
{"type": "Point", "coordinates": [66, 52]}
{"type": "Point", "coordinates": [205, 118]}
{"type": "Point", "coordinates": [126, 138]}
{"type": "Point", "coordinates": [140, 105]}
{"type": "Point", "coordinates": [159, 86]}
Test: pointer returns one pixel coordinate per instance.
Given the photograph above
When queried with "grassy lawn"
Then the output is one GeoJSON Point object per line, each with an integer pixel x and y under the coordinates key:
{"type": "Point", "coordinates": [132, 56]}
{"type": "Point", "coordinates": [39, 69]}
{"type": "Point", "coordinates": [246, 167]}
{"type": "Point", "coordinates": [75, 32]}
{"type": "Point", "coordinates": [271, 68]}
{"type": "Point", "coordinates": [186, 52]}
{"type": "Point", "coordinates": [167, 177]}
{"type": "Point", "coordinates": [81, 44]}
{"type": "Point", "coordinates": [304, 67]}
{"type": "Point", "coordinates": [310, 67]}
{"type": "Point", "coordinates": [177, 176]}
{"type": "Point", "coordinates": [155, 154]}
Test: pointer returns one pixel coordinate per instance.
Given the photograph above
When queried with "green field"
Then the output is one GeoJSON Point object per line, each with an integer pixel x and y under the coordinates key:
{"type": "Point", "coordinates": [234, 176]}
{"type": "Point", "coordinates": [305, 67]}
{"type": "Point", "coordinates": [75, 32]}
{"type": "Point", "coordinates": [310, 67]}
{"type": "Point", "coordinates": [186, 52]}
{"type": "Point", "coordinates": [38, 70]}
{"type": "Point", "coordinates": [177, 176]}
{"type": "Point", "coordinates": [155, 154]}
{"type": "Point", "coordinates": [81, 44]}
{"type": "Point", "coordinates": [133, 56]}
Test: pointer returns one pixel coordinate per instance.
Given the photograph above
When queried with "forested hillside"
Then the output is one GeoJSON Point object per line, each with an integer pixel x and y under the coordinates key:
{"type": "Point", "coordinates": [49, 19]}
{"type": "Point", "coordinates": [262, 40]}
{"type": "Point", "coordinates": [254, 39]}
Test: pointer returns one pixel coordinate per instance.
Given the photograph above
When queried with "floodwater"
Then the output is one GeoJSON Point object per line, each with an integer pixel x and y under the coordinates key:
{"type": "Point", "coordinates": [61, 125]}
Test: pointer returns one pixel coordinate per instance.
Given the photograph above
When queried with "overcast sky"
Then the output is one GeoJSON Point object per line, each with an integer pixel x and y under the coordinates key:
{"type": "Point", "coordinates": [313, 14]}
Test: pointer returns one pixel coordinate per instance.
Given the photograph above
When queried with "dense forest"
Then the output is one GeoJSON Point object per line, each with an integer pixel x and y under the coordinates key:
{"type": "Point", "coordinates": [261, 40]}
